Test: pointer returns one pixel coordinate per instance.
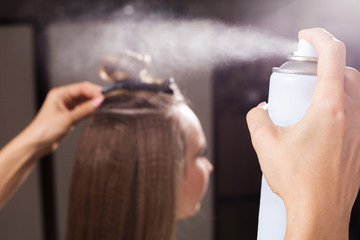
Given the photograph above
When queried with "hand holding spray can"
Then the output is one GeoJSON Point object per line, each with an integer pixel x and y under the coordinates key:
{"type": "Point", "coordinates": [290, 92]}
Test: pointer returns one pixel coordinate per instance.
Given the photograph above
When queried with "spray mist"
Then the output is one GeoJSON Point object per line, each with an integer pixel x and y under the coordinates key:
{"type": "Point", "coordinates": [290, 92]}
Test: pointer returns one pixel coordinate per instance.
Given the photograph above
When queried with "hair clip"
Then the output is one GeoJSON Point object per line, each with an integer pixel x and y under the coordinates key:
{"type": "Point", "coordinates": [130, 84]}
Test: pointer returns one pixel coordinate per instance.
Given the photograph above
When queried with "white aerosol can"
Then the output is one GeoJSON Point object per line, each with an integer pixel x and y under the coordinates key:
{"type": "Point", "coordinates": [290, 92]}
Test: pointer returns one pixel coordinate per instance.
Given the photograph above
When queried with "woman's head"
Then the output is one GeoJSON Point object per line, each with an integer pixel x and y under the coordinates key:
{"type": "Point", "coordinates": [138, 168]}
{"type": "Point", "coordinates": [195, 175]}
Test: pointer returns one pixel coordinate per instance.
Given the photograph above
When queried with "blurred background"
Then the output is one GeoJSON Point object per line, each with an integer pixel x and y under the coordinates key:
{"type": "Point", "coordinates": [220, 52]}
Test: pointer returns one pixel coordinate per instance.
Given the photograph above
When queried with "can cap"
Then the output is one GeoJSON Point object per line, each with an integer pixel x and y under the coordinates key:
{"type": "Point", "coordinates": [305, 49]}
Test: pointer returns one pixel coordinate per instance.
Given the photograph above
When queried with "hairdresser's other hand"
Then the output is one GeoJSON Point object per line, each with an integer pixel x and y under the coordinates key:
{"type": "Point", "coordinates": [63, 108]}
{"type": "Point", "coordinates": [314, 165]}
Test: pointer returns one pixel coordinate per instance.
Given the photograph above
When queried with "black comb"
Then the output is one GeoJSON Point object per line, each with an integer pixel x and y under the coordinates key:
{"type": "Point", "coordinates": [131, 84]}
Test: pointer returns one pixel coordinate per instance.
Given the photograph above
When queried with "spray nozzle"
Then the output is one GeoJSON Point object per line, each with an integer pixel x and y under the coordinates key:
{"type": "Point", "coordinates": [305, 49]}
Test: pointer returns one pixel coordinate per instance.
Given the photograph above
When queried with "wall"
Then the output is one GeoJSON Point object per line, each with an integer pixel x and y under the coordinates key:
{"type": "Point", "coordinates": [21, 217]}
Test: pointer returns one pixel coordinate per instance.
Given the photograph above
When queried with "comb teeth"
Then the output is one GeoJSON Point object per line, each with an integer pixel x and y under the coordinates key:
{"type": "Point", "coordinates": [135, 84]}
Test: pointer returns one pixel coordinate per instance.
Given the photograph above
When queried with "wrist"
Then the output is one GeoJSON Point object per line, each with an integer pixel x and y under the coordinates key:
{"type": "Point", "coordinates": [307, 220]}
{"type": "Point", "coordinates": [33, 138]}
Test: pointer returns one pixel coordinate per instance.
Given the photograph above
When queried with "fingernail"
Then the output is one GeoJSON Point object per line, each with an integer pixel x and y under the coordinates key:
{"type": "Point", "coordinates": [97, 101]}
{"type": "Point", "coordinates": [261, 104]}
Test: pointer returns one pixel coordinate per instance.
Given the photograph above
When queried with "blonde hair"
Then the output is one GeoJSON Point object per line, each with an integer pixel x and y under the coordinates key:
{"type": "Point", "coordinates": [127, 165]}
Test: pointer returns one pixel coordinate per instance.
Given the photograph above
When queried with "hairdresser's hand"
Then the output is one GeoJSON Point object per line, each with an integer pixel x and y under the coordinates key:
{"type": "Point", "coordinates": [62, 109]}
{"type": "Point", "coordinates": [314, 165]}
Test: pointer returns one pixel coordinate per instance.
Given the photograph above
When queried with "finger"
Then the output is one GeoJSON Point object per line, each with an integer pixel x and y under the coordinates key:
{"type": "Point", "coordinates": [262, 129]}
{"type": "Point", "coordinates": [78, 92]}
{"type": "Point", "coordinates": [84, 88]}
{"type": "Point", "coordinates": [85, 109]}
{"type": "Point", "coordinates": [331, 64]}
{"type": "Point", "coordinates": [352, 84]}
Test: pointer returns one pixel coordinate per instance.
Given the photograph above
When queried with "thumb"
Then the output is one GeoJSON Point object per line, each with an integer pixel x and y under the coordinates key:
{"type": "Point", "coordinates": [262, 129]}
{"type": "Point", "coordinates": [85, 109]}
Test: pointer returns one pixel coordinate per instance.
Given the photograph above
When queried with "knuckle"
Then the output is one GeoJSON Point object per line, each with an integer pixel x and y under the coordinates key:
{"type": "Point", "coordinates": [52, 93]}
{"type": "Point", "coordinates": [320, 29]}
{"type": "Point", "coordinates": [259, 133]}
{"type": "Point", "coordinates": [249, 116]}
{"type": "Point", "coordinates": [337, 46]}
{"type": "Point", "coordinates": [336, 110]}
{"type": "Point", "coordinates": [85, 84]}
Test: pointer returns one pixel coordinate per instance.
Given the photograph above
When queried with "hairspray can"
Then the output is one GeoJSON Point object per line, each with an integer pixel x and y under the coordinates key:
{"type": "Point", "coordinates": [290, 92]}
